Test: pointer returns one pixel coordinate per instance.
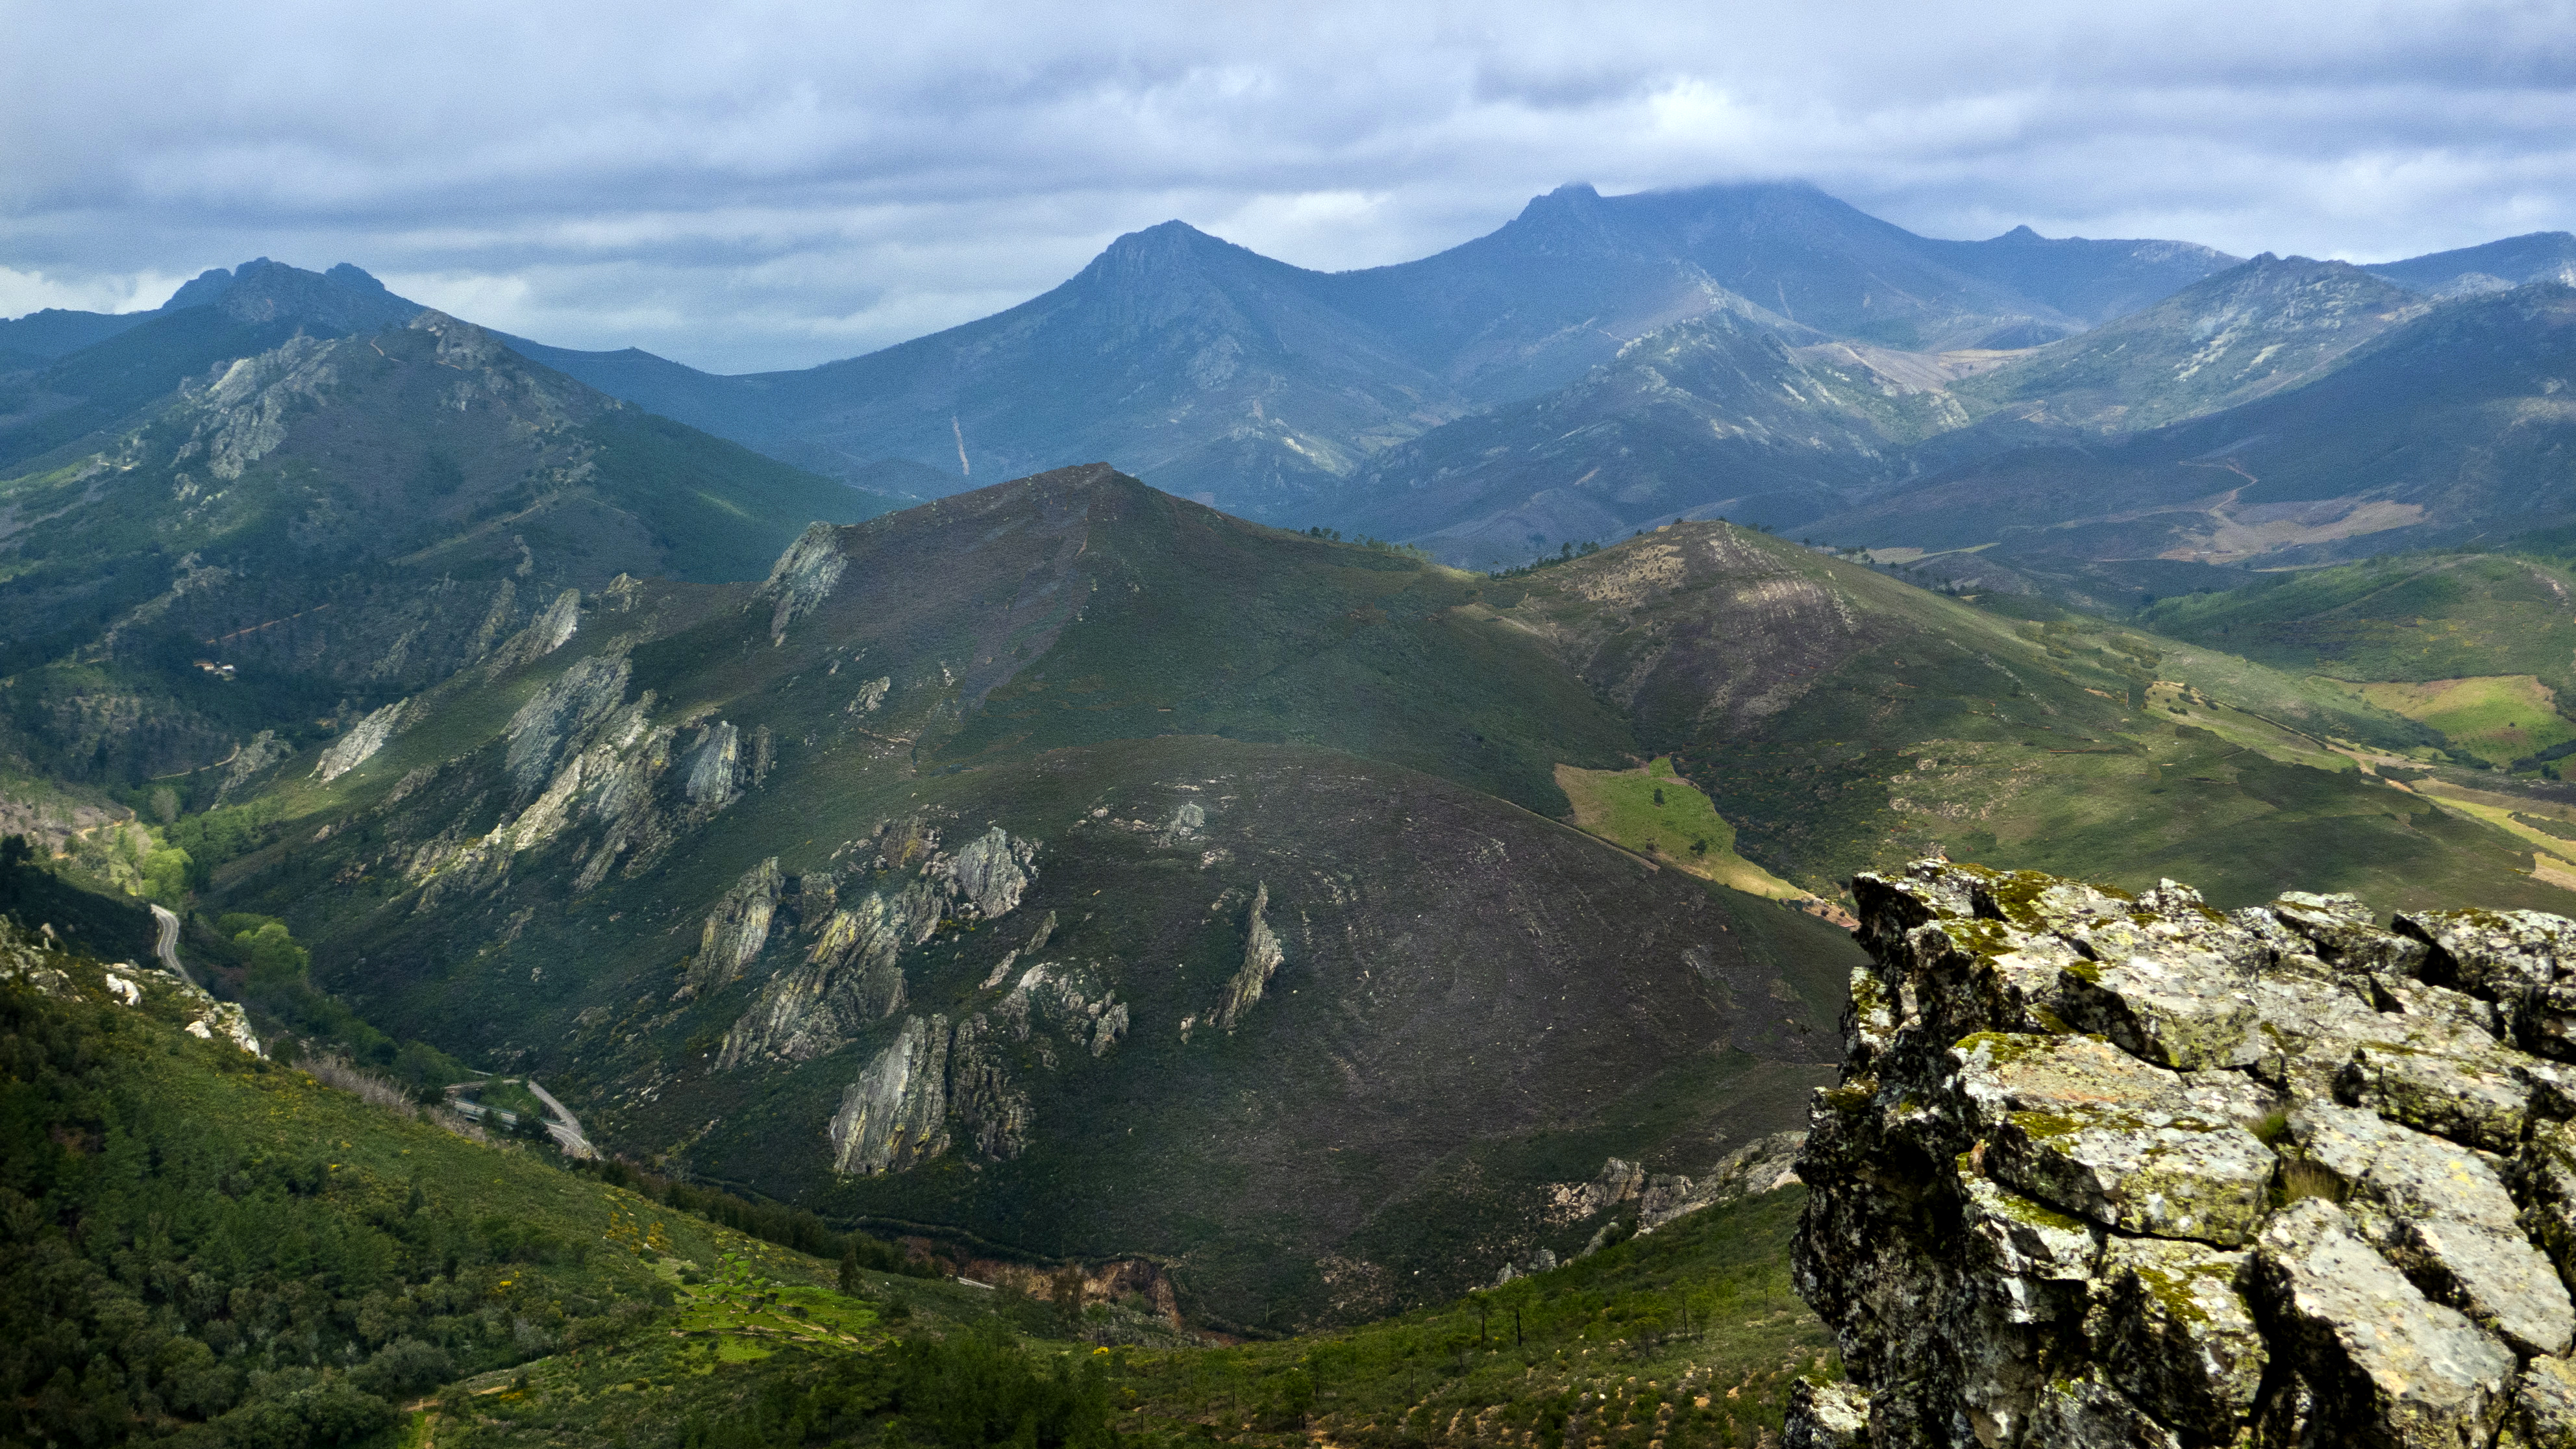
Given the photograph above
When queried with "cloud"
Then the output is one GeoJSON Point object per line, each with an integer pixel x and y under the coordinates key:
{"type": "Point", "coordinates": [759, 184]}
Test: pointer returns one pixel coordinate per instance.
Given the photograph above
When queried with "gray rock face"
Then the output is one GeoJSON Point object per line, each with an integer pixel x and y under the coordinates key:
{"type": "Point", "coordinates": [737, 929]}
{"type": "Point", "coordinates": [803, 578]}
{"type": "Point", "coordinates": [852, 978]}
{"type": "Point", "coordinates": [2511, 958]}
{"type": "Point", "coordinates": [896, 1114]}
{"type": "Point", "coordinates": [991, 871]}
{"type": "Point", "coordinates": [360, 744]}
{"type": "Point", "coordinates": [2105, 1170]}
{"type": "Point", "coordinates": [1262, 957]}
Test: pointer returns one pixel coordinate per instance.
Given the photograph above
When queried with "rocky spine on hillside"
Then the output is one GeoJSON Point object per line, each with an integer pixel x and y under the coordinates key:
{"type": "Point", "coordinates": [2116, 1170]}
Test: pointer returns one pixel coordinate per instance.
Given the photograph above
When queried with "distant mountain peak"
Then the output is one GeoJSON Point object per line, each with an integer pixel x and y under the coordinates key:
{"type": "Point", "coordinates": [346, 298]}
{"type": "Point", "coordinates": [2021, 233]}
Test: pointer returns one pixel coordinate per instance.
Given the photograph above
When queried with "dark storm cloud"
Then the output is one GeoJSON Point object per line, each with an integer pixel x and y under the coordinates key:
{"type": "Point", "coordinates": [756, 185]}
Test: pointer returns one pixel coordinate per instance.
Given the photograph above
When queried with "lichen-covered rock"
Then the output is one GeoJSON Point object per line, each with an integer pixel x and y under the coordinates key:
{"type": "Point", "coordinates": [2038, 1261]}
{"type": "Point", "coordinates": [2524, 961]}
{"type": "Point", "coordinates": [2545, 1182]}
{"type": "Point", "coordinates": [2171, 1326]}
{"type": "Point", "coordinates": [2083, 1127]}
{"type": "Point", "coordinates": [2341, 932]}
{"type": "Point", "coordinates": [2378, 1352]}
{"type": "Point", "coordinates": [2544, 1404]}
{"type": "Point", "coordinates": [2088, 1411]}
{"type": "Point", "coordinates": [2436, 1073]}
{"type": "Point", "coordinates": [2440, 1213]}
{"type": "Point", "coordinates": [2123, 1170]}
{"type": "Point", "coordinates": [1826, 1416]}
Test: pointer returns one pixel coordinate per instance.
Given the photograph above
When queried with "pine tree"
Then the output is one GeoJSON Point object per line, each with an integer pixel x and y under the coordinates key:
{"type": "Point", "coordinates": [850, 1268]}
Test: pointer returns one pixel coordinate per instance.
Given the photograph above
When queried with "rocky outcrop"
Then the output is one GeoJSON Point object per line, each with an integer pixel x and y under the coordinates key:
{"type": "Point", "coordinates": [38, 960]}
{"type": "Point", "coordinates": [556, 717]}
{"type": "Point", "coordinates": [580, 753]}
{"type": "Point", "coordinates": [990, 872]}
{"type": "Point", "coordinates": [968, 1082]}
{"type": "Point", "coordinates": [1261, 958]}
{"type": "Point", "coordinates": [715, 767]}
{"type": "Point", "coordinates": [803, 578]}
{"type": "Point", "coordinates": [360, 744]}
{"type": "Point", "coordinates": [549, 631]}
{"type": "Point", "coordinates": [852, 979]}
{"type": "Point", "coordinates": [896, 1114]}
{"type": "Point", "coordinates": [990, 1106]}
{"type": "Point", "coordinates": [737, 929]}
{"type": "Point", "coordinates": [853, 976]}
{"type": "Point", "coordinates": [2115, 1170]}
{"type": "Point", "coordinates": [1766, 1164]}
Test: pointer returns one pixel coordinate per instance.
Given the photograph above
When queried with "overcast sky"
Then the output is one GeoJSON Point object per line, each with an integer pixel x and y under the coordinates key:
{"type": "Point", "coordinates": [747, 186]}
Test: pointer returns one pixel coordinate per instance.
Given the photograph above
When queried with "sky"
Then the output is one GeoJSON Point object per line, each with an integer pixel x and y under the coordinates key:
{"type": "Point", "coordinates": [745, 186]}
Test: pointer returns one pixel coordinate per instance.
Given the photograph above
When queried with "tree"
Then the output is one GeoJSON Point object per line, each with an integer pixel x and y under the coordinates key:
{"type": "Point", "coordinates": [850, 1268]}
{"type": "Point", "coordinates": [165, 875]}
{"type": "Point", "coordinates": [275, 959]}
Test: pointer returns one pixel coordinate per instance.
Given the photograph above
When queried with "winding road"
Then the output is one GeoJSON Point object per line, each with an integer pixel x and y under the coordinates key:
{"type": "Point", "coordinates": [567, 1133]}
{"type": "Point", "coordinates": [166, 946]}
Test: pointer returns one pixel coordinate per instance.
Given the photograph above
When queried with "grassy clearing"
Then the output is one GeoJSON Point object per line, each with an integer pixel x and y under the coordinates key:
{"type": "Point", "coordinates": [1686, 1337]}
{"type": "Point", "coordinates": [1665, 818]}
{"type": "Point", "coordinates": [2498, 717]}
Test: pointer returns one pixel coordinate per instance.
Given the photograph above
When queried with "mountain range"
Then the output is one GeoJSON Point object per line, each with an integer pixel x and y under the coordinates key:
{"type": "Point", "coordinates": [1263, 388]}
{"type": "Point", "coordinates": [1075, 868]}
{"type": "Point", "coordinates": [1762, 352]}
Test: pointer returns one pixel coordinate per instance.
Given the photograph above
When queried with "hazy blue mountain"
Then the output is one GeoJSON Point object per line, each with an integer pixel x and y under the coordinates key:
{"type": "Point", "coordinates": [1223, 375]}
{"type": "Point", "coordinates": [1716, 416]}
{"type": "Point", "coordinates": [342, 297]}
{"type": "Point", "coordinates": [2085, 280]}
{"type": "Point", "coordinates": [219, 317]}
{"type": "Point", "coordinates": [2250, 331]}
{"type": "Point", "coordinates": [39, 337]}
{"type": "Point", "coordinates": [1578, 274]}
{"type": "Point", "coordinates": [1703, 420]}
{"type": "Point", "coordinates": [2540, 256]}
{"type": "Point", "coordinates": [2453, 425]}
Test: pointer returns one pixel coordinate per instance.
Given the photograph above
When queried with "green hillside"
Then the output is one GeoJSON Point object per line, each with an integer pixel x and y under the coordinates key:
{"type": "Point", "coordinates": [1194, 734]}
{"type": "Point", "coordinates": [2411, 617]}
{"type": "Point", "coordinates": [1841, 720]}
{"type": "Point", "coordinates": [230, 1250]}
{"type": "Point", "coordinates": [326, 524]}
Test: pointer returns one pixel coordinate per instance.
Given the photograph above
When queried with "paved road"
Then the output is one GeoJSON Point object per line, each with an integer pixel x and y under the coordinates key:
{"type": "Point", "coordinates": [567, 1132]}
{"type": "Point", "coordinates": [167, 946]}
